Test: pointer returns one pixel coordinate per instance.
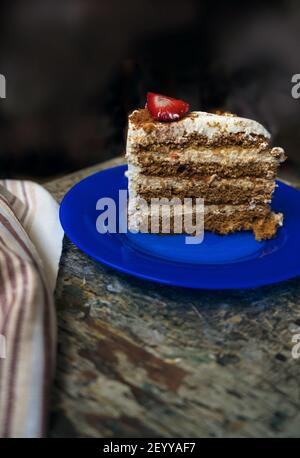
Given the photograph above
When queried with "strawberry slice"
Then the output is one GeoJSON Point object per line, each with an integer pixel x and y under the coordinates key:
{"type": "Point", "coordinates": [163, 108]}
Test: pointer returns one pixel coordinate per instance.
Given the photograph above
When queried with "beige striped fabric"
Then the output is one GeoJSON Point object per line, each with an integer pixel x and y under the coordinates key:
{"type": "Point", "coordinates": [30, 248]}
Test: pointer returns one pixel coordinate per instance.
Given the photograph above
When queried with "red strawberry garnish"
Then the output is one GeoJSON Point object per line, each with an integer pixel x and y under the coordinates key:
{"type": "Point", "coordinates": [163, 108]}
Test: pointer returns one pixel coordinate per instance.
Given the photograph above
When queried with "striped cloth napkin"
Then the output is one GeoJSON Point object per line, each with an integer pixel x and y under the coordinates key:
{"type": "Point", "coordinates": [30, 248]}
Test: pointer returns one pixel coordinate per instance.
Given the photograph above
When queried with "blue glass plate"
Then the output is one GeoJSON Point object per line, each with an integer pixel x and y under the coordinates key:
{"type": "Point", "coordinates": [219, 262]}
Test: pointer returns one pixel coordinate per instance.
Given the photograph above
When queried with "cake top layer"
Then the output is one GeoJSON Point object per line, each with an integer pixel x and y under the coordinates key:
{"type": "Point", "coordinates": [144, 129]}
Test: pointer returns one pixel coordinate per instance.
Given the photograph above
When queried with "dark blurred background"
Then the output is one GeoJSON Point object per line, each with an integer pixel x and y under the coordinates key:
{"type": "Point", "coordinates": [75, 68]}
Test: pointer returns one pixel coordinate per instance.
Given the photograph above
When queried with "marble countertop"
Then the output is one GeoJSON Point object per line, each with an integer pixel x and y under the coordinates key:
{"type": "Point", "coordinates": [137, 359]}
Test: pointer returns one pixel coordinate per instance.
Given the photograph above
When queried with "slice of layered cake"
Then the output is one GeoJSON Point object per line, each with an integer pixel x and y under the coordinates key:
{"type": "Point", "coordinates": [222, 158]}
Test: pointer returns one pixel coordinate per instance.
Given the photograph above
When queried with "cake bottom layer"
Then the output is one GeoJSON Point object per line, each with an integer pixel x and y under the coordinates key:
{"type": "Point", "coordinates": [263, 227]}
{"type": "Point", "coordinates": [221, 219]}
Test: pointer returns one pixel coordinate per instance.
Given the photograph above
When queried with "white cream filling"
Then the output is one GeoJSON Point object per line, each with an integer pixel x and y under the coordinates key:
{"type": "Point", "coordinates": [209, 155]}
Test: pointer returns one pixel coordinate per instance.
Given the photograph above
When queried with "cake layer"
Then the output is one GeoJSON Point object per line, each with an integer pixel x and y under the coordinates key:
{"type": "Point", "coordinates": [207, 128]}
{"type": "Point", "coordinates": [212, 189]}
{"type": "Point", "coordinates": [236, 168]}
{"type": "Point", "coordinates": [224, 161]}
{"type": "Point", "coordinates": [263, 228]}
{"type": "Point", "coordinates": [136, 207]}
{"type": "Point", "coordinates": [222, 219]}
{"type": "Point", "coordinates": [264, 224]}
{"type": "Point", "coordinates": [193, 150]}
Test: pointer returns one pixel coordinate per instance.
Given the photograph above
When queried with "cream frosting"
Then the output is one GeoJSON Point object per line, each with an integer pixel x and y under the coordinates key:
{"type": "Point", "coordinates": [198, 122]}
